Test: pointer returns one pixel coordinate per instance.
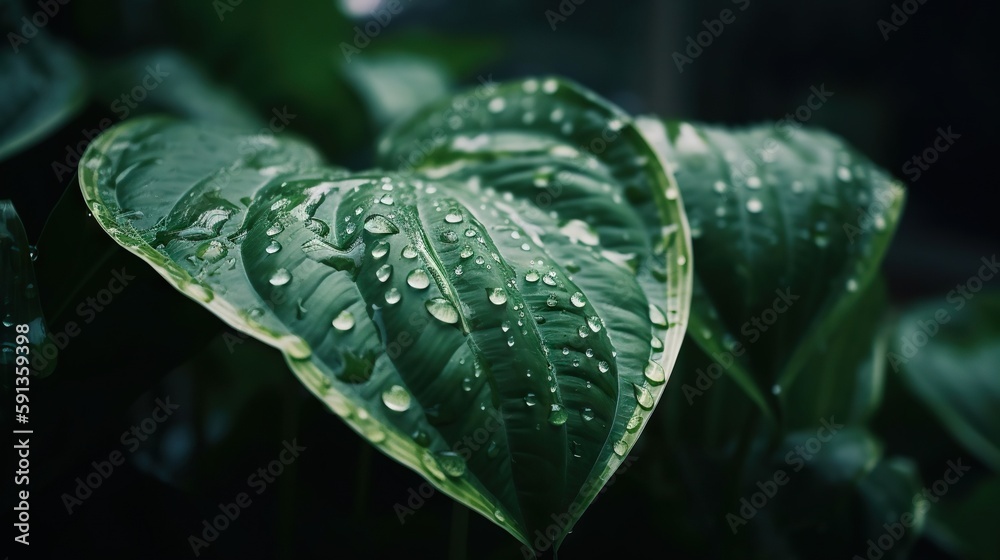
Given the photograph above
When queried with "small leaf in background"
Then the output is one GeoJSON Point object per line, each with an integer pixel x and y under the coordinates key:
{"type": "Point", "coordinates": [868, 500]}
{"type": "Point", "coordinates": [781, 251]}
{"type": "Point", "coordinates": [43, 83]}
{"type": "Point", "coordinates": [947, 354]}
{"type": "Point", "coordinates": [430, 308]}
{"type": "Point", "coordinates": [394, 86]}
{"type": "Point", "coordinates": [20, 308]}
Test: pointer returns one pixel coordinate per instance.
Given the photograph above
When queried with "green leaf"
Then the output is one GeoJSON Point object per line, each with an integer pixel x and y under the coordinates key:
{"type": "Point", "coordinates": [20, 307]}
{"type": "Point", "coordinates": [789, 227]}
{"type": "Point", "coordinates": [506, 346]}
{"type": "Point", "coordinates": [947, 355]}
{"type": "Point", "coordinates": [966, 528]}
{"type": "Point", "coordinates": [43, 84]}
{"type": "Point", "coordinates": [860, 490]}
{"type": "Point", "coordinates": [847, 370]}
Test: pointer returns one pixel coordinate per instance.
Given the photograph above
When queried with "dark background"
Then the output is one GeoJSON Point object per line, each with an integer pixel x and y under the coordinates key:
{"type": "Point", "coordinates": [238, 401]}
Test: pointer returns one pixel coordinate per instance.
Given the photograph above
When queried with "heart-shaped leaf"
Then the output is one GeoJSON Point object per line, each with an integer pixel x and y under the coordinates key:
{"type": "Point", "coordinates": [789, 226]}
{"type": "Point", "coordinates": [947, 355]}
{"type": "Point", "coordinates": [43, 83]}
{"type": "Point", "coordinates": [506, 345]}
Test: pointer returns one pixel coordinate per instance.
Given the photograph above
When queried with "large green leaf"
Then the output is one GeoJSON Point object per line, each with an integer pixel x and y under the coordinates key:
{"type": "Point", "coordinates": [43, 83]}
{"type": "Point", "coordinates": [948, 355]}
{"type": "Point", "coordinates": [789, 227]}
{"type": "Point", "coordinates": [23, 328]}
{"type": "Point", "coordinates": [506, 345]}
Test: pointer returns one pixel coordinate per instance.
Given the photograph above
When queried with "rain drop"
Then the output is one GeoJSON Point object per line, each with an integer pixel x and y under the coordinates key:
{"type": "Point", "coordinates": [380, 249]}
{"type": "Point", "coordinates": [497, 296]}
{"type": "Point", "coordinates": [530, 399]}
{"type": "Point", "coordinates": [280, 277]}
{"type": "Point", "coordinates": [384, 272]}
{"type": "Point", "coordinates": [594, 323]}
{"type": "Point", "coordinates": [379, 224]}
{"type": "Point", "coordinates": [532, 276]}
{"type": "Point", "coordinates": [754, 205]}
{"type": "Point", "coordinates": [344, 321]}
{"type": "Point", "coordinates": [442, 310]}
{"type": "Point", "coordinates": [654, 373]}
{"type": "Point", "coordinates": [587, 413]}
{"type": "Point", "coordinates": [449, 237]}
{"type": "Point", "coordinates": [557, 415]}
{"type": "Point", "coordinates": [603, 366]}
{"type": "Point", "coordinates": [643, 396]}
{"type": "Point", "coordinates": [418, 279]}
{"type": "Point", "coordinates": [272, 247]}
{"type": "Point", "coordinates": [392, 296]}
{"type": "Point", "coordinates": [453, 217]}
{"type": "Point", "coordinates": [409, 252]}
{"type": "Point", "coordinates": [577, 300]}
{"type": "Point", "coordinates": [396, 398]}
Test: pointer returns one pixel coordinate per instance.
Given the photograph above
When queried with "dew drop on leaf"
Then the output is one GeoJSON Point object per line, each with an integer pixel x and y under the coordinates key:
{"type": "Point", "coordinates": [442, 310]}
{"type": "Point", "coordinates": [392, 296]}
{"type": "Point", "coordinates": [280, 277]}
{"type": "Point", "coordinates": [643, 396]}
{"type": "Point", "coordinates": [409, 252]}
{"type": "Point", "coordinates": [379, 224]}
{"type": "Point", "coordinates": [344, 321]}
{"type": "Point", "coordinates": [557, 415]}
{"type": "Point", "coordinates": [396, 398]}
{"type": "Point", "coordinates": [577, 300]}
{"type": "Point", "coordinates": [380, 249]}
{"type": "Point", "coordinates": [654, 373]}
{"type": "Point", "coordinates": [497, 296]}
{"type": "Point", "coordinates": [418, 279]}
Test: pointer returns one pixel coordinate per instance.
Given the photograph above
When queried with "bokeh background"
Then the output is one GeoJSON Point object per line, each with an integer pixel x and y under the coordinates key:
{"type": "Point", "coordinates": [247, 61]}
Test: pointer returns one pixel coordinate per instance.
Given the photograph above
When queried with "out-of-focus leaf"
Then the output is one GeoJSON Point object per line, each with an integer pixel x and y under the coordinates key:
{"type": "Point", "coordinates": [21, 315]}
{"type": "Point", "coordinates": [166, 81]}
{"type": "Point", "coordinates": [781, 253]}
{"type": "Point", "coordinates": [845, 375]}
{"type": "Point", "coordinates": [43, 83]}
{"type": "Point", "coordinates": [866, 500]}
{"type": "Point", "coordinates": [454, 303]}
{"type": "Point", "coordinates": [393, 86]}
{"type": "Point", "coordinates": [948, 356]}
{"type": "Point", "coordinates": [967, 528]}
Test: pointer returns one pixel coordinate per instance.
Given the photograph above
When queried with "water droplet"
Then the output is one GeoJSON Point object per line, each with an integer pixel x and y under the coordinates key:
{"type": "Point", "coordinates": [275, 229]}
{"type": "Point", "coordinates": [466, 252]}
{"type": "Point", "coordinates": [497, 296]}
{"type": "Point", "coordinates": [392, 296]}
{"type": "Point", "coordinates": [753, 182]}
{"type": "Point", "coordinates": [451, 463]}
{"type": "Point", "coordinates": [550, 86]}
{"type": "Point", "coordinates": [496, 105]}
{"type": "Point", "coordinates": [620, 448]}
{"type": "Point", "coordinates": [594, 323]}
{"type": "Point", "coordinates": [272, 247]}
{"type": "Point", "coordinates": [493, 450]}
{"type": "Point", "coordinates": [654, 373]}
{"type": "Point", "coordinates": [583, 331]}
{"type": "Point", "coordinates": [344, 321]}
{"type": "Point", "coordinates": [499, 515]}
{"type": "Point", "coordinates": [531, 276]}
{"type": "Point", "coordinates": [379, 224]}
{"type": "Point", "coordinates": [386, 199]}
{"type": "Point", "coordinates": [549, 279]}
{"type": "Point", "coordinates": [754, 205]}
{"type": "Point", "coordinates": [776, 389]}
{"type": "Point", "coordinates": [510, 341]}
{"type": "Point", "coordinates": [603, 366]}
{"type": "Point", "coordinates": [458, 270]}
{"type": "Point", "coordinates": [480, 260]}
{"type": "Point", "coordinates": [449, 237]}
{"type": "Point", "coordinates": [843, 173]}
{"type": "Point", "coordinates": [552, 300]}
{"type": "Point", "coordinates": [380, 249]}
{"type": "Point", "coordinates": [409, 252]}
{"type": "Point", "coordinates": [280, 277]}
{"type": "Point", "coordinates": [821, 240]}
{"type": "Point", "coordinates": [467, 384]}
{"type": "Point", "coordinates": [418, 279]}
{"type": "Point", "coordinates": [577, 300]}
{"type": "Point", "coordinates": [720, 187]}
{"type": "Point", "coordinates": [587, 413]}
{"type": "Point", "coordinates": [656, 316]}
{"type": "Point", "coordinates": [442, 310]}
{"type": "Point", "coordinates": [470, 232]}
{"type": "Point", "coordinates": [530, 399]}
{"type": "Point", "coordinates": [396, 398]}
{"type": "Point", "coordinates": [384, 272]}
{"type": "Point", "coordinates": [656, 343]}
{"type": "Point", "coordinates": [453, 217]}
{"type": "Point", "coordinates": [643, 396]}
{"type": "Point", "coordinates": [557, 415]}
{"type": "Point", "coordinates": [421, 438]}
{"type": "Point", "coordinates": [633, 423]}
{"type": "Point", "coordinates": [852, 285]}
